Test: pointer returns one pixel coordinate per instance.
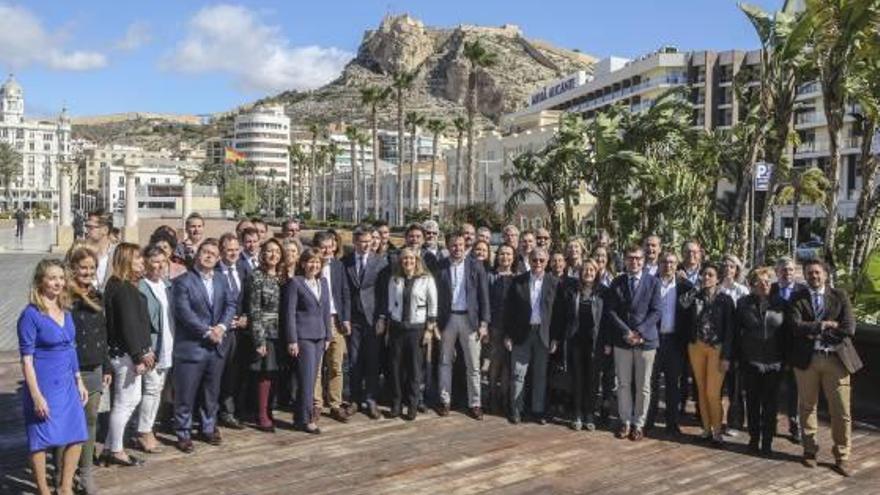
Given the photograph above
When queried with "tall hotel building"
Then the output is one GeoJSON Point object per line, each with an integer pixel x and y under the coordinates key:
{"type": "Point", "coordinates": [263, 136]}
{"type": "Point", "coordinates": [42, 144]}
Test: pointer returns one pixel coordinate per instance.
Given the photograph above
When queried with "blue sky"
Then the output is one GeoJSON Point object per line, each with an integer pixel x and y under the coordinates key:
{"type": "Point", "coordinates": [188, 56]}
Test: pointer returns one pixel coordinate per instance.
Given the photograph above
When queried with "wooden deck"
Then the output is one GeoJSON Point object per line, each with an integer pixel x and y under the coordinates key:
{"type": "Point", "coordinates": [452, 455]}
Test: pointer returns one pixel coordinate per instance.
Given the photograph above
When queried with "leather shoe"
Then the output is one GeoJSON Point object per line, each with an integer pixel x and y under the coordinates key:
{"type": "Point", "coordinates": [372, 410]}
{"type": "Point", "coordinates": [623, 432]}
{"type": "Point", "coordinates": [214, 438]}
{"type": "Point", "coordinates": [411, 414]}
{"type": "Point", "coordinates": [231, 422]}
{"type": "Point", "coordinates": [477, 413]}
{"type": "Point", "coordinates": [514, 419]}
{"type": "Point", "coordinates": [541, 420]}
{"type": "Point", "coordinates": [636, 434]}
{"type": "Point", "coordinates": [306, 429]}
{"type": "Point", "coordinates": [443, 410]}
{"type": "Point", "coordinates": [842, 468]}
{"type": "Point", "coordinates": [674, 431]}
{"type": "Point", "coordinates": [809, 460]}
{"type": "Point", "coordinates": [394, 412]}
{"type": "Point", "coordinates": [266, 428]}
{"type": "Point", "coordinates": [185, 445]}
{"type": "Point", "coordinates": [339, 415]}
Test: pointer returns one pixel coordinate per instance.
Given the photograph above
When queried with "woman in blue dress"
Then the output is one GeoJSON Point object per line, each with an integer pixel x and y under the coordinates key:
{"type": "Point", "coordinates": [54, 393]}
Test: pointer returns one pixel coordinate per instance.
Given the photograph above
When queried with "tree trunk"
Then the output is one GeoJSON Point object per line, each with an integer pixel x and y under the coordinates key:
{"type": "Point", "coordinates": [324, 196]}
{"type": "Point", "coordinates": [868, 165]}
{"type": "Point", "coordinates": [569, 217]}
{"type": "Point", "coordinates": [375, 144]}
{"type": "Point", "coordinates": [458, 170]}
{"type": "Point", "coordinates": [400, 156]}
{"type": "Point", "coordinates": [434, 146]}
{"type": "Point", "coordinates": [354, 182]}
{"type": "Point", "coordinates": [313, 180]}
{"type": "Point", "coordinates": [471, 112]}
{"type": "Point", "coordinates": [796, 217]}
{"type": "Point", "coordinates": [334, 209]}
{"type": "Point", "coordinates": [362, 194]}
{"type": "Point", "coordinates": [745, 185]}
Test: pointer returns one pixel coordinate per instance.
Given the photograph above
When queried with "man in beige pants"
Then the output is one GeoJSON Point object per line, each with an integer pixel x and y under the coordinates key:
{"type": "Point", "coordinates": [823, 357]}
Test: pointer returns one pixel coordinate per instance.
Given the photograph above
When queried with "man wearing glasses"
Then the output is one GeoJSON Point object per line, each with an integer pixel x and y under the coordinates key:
{"type": "Point", "coordinates": [542, 238]}
{"type": "Point", "coordinates": [432, 240]}
{"type": "Point", "coordinates": [530, 300]}
{"type": "Point", "coordinates": [97, 227]}
{"type": "Point", "coordinates": [633, 311]}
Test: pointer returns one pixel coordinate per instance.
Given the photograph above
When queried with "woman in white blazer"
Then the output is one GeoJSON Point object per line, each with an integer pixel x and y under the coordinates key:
{"type": "Point", "coordinates": [412, 311]}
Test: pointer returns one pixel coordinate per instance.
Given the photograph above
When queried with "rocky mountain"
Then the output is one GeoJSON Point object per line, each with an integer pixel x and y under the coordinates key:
{"type": "Point", "coordinates": [402, 43]}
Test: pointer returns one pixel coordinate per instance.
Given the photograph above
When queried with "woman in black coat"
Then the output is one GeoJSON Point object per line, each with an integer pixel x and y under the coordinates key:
{"type": "Point", "coordinates": [131, 351]}
{"type": "Point", "coordinates": [578, 325]}
{"type": "Point", "coordinates": [761, 341]}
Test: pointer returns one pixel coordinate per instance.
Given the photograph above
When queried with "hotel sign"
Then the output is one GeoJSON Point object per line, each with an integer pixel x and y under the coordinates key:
{"type": "Point", "coordinates": [558, 87]}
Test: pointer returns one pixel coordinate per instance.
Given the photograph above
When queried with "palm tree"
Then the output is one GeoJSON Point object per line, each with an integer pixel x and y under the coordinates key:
{"type": "Point", "coordinates": [333, 151]}
{"type": "Point", "coordinates": [783, 39]}
{"type": "Point", "coordinates": [460, 124]}
{"type": "Point", "coordinates": [10, 167]}
{"type": "Point", "coordinates": [298, 157]}
{"type": "Point", "coordinates": [436, 126]}
{"type": "Point", "coordinates": [414, 120]}
{"type": "Point", "coordinates": [402, 82]}
{"type": "Point", "coordinates": [272, 174]}
{"type": "Point", "coordinates": [864, 87]}
{"type": "Point", "coordinates": [807, 185]}
{"type": "Point", "coordinates": [316, 131]}
{"type": "Point", "coordinates": [839, 28]}
{"type": "Point", "coordinates": [321, 156]}
{"type": "Point", "coordinates": [353, 134]}
{"type": "Point", "coordinates": [363, 140]}
{"type": "Point", "coordinates": [375, 97]}
{"type": "Point", "coordinates": [479, 58]}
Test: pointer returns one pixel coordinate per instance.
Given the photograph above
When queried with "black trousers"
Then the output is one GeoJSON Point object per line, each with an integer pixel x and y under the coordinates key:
{"type": "Point", "coordinates": [736, 410]}
{"type": "Point", "coordinates": [406, 364]}
{"type": "Point", "coordinates": [235, 374]}
{"type": "Point", "coordinates": [670, 362]}
{"type": "Point", "coordinates": [762, 393]}
{"type": "Point", "coordinates": [791, 401]}
{"type": "Point", "coordinates": [585, 377]}
{"type": "Point", "coordinates": [363, 359]}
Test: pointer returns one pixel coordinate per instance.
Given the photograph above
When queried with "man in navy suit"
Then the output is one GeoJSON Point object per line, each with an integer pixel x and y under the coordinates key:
{"type": "Point", "coordinates": [781, 292]}
{"type": "Point", "coordinates": [204, 307]}
{"type": "Point", "coordinates": [463, 317]}
{"type": "Point", "coordinates": [363, 271]}
{"type": "Point", "coordinates": [250, 249]}
{"type": "Point", "coordinates": [236, 271]}
{"type": "Point", "coordinates": [340, 310]}
{"type": "Point", "coordinates": [633, 311]}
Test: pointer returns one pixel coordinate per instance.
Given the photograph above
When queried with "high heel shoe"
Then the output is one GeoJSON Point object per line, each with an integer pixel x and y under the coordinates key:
{"type": "Point", "coordinates": [108, 459]}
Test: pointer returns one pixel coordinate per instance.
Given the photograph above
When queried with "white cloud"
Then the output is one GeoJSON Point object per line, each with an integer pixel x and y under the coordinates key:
{"type": "Point", "coordinates": [24, 41]}
{"type": "Point", "coordinates": [232, 39]}
{"type": "Point", "coordinates": [136, 36]}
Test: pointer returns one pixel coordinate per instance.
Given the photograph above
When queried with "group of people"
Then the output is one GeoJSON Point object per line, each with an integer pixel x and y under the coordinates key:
{"type": "Point", "coordinates": [226, 330]}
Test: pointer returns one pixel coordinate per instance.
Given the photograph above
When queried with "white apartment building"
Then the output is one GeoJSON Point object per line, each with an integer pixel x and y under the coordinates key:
{"type": "Point", "coordinates": [42, 145]}
{"type": "Point", "coordinates": [710, 77]}
{"type": "Point", "coordinates": [263, 136]}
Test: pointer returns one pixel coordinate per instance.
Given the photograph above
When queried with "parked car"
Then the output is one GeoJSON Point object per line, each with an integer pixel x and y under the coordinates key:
{"type": "Point", "coordinates": [809, 250]}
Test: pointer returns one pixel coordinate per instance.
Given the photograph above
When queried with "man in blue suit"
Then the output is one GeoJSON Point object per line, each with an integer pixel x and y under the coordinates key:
{"type": "Point", "coordinates": [236, 270]}
{"type": "Point", "coordinates": [463, 316]}
{"type": "Point", "coordinates": [204, 308]}
{"type": "Point", "coordinates": [633, 313]}
{"type": "Point", "coordinates": [364, 273]}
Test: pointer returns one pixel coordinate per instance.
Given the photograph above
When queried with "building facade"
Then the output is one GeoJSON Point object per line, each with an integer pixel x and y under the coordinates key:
{"type": "Point", "coordinates": [42, 144]}
{"type": "Point", "coordinates": [262, 135]}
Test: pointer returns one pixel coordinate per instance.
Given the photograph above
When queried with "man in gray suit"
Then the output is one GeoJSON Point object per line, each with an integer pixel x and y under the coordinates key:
{"type": "Point", "coordinates": [529, 313]}
{"type": "Point", "coordinates": [463, 314]}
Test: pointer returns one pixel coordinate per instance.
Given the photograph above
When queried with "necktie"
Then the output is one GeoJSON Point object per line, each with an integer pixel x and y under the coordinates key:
{"type": "Point", "coordinates": [233, 279]}
{"type": "Point", "coordinates": [817, 306]}
{"type": "Point", "coordinates": [632, 286]}
{"type": "Point", "coordinates": [360, 266]}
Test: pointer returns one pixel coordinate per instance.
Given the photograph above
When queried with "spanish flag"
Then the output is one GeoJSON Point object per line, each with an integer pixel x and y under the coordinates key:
{"type": "Point", "coordinates": [233, 156]}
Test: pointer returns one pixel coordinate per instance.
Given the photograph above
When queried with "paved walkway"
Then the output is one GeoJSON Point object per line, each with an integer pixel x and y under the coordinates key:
{"type": "Point", "coordinates": [16, 270]}
{"type": "Point", "coordinates": [36, 239]}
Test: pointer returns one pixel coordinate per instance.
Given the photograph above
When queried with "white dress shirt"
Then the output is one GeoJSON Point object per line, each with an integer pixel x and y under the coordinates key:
{"type": "Point", "coordinates": [459, 295]}
{"type": "Point", "coordinates": [325, 274]}
{"type": "Point", "coordinates": [667, 304]}
{"type": "Point", "coordinates": [231, 273]}
{"type": "Point", "coordinates": [817, 299]}
{"type": "Point", "coordinates": [535, 285]}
